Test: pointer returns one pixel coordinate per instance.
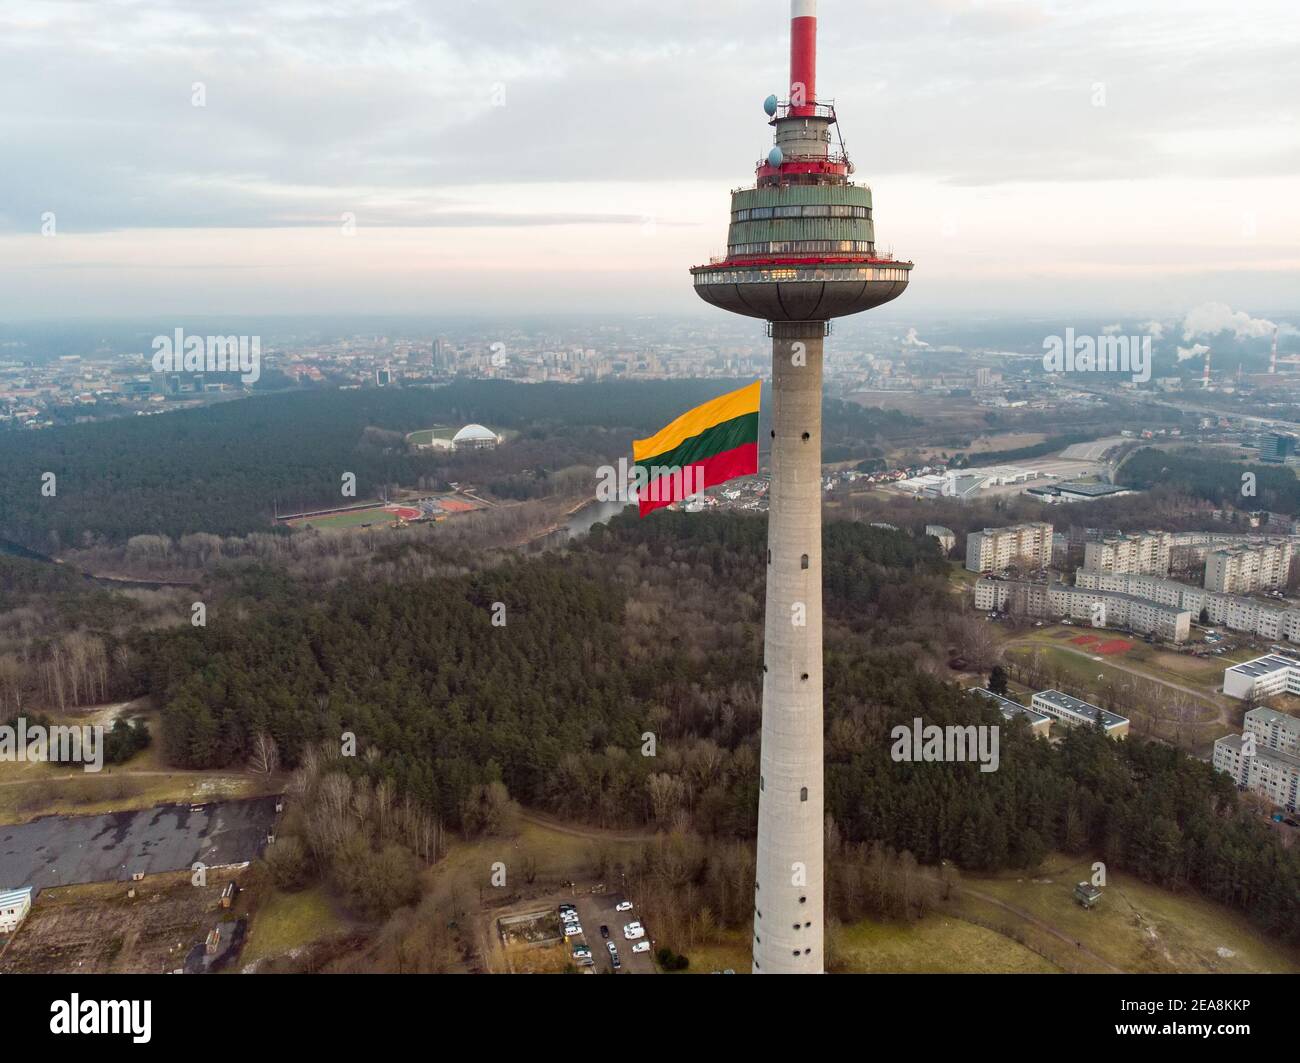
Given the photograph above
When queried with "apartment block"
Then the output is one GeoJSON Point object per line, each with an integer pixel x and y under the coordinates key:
{"type": "Point", "coordinates": [1097, 608]}
{"type": "Point", "coordinates": [1139, 553]}
{"type": "Point", "coordinates": [1026, 546]}
{"type": "Point", "coordinates": [1245, 568]}
{"type": "Point", "coordinates": [1278, 622]}
{"type": "Point", "coordinates": [1039, 723]}
{"type": "Point", "coordinates": [1273, 775]}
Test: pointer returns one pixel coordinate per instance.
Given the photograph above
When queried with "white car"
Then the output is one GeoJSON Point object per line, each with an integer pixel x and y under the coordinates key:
{"type": "Point", "coordinates": [641, 946]}
{"type": "Point", "coordinates": [633, 932]}
{"type": "Point", "coordinates": [573, 930]}
{"type": "Point", "coordinates": [634, 925]}
{"type": "Point", "coordinates": [613, 949]}
{"type": "Point", "coordinates": [581, 951]}
{"type": "Point", "coordinates": [623, 906]}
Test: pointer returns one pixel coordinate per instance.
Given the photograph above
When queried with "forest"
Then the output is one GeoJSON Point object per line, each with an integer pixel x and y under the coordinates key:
{"type": "Point", "coordinates": [654, 626]}
{"type": "Point", "coordinates": [1205, 476]}
{"type": "Point", "coordinates": [224, 469]}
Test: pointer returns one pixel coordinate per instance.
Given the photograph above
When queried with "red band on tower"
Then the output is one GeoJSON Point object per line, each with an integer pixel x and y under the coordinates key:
{"type": "Point", "coordinates": [803, 56]}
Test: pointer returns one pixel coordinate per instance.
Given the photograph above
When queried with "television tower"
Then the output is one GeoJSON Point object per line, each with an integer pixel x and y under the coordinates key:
{"type": "Point", "coordinates": [800, 251]}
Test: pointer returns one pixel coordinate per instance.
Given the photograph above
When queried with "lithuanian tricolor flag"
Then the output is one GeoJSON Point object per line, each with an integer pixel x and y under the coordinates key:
{"type": "Point", "coordinates": [708, 445]}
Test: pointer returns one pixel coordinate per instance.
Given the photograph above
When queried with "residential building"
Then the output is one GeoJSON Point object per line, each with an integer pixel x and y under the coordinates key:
{"type": "Point", "coordinates": [1139, 553]}
{"type": "Point", "coordinates": [1026, 546]}
{"type": "Point", "coordinates": [1273, 775]}
{"type": "Point", "coordinates": [1244, 568]}
{"type": "Point", "coordinates": [1270, 620]}
{"type": "Point", "coordinates": [1098, 608]}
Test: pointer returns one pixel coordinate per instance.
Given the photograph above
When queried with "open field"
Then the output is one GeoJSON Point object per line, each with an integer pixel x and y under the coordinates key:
{"type": "Point", "coordinates": [425, 436]}
{"type": "Point", "coordinates": [283, 922]}
{"type": "Point", "coordinates": [1136, 927]}
{"type": "Point", "coordinates": [938, 944]}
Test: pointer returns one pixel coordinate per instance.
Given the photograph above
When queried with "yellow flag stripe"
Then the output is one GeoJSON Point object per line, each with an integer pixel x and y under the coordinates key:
{"type": "Point", "coordinates": [693, 422]}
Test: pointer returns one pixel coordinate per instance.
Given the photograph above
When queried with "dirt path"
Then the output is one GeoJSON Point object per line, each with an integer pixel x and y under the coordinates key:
{"type": "Point", "coordinates": [596, 834]}
{"type": "Point", "coordinates": [1033, 920]}
{"type": "Point", "coordinates": [128, 775]}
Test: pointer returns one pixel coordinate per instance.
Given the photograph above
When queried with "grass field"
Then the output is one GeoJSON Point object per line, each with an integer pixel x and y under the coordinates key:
{"type": "Point", "coordinates": [425, 436]}
{"type": "Point", "coordinates": [287, 921]}
{"type": "Point", "coordinates": [378, 516]}
{"type": "Point", "coordinates": [938, 944]}
{"type": "Point", "coordinates": [1136, 927]}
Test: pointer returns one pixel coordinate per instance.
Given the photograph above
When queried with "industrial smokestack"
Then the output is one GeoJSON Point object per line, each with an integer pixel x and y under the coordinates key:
{"type": "Point", "coordinates": [1272, 363]}
{"type": "Point", "coordinates": [1205, 382]}
{"type": "Point", "coordinates": [803, 56]}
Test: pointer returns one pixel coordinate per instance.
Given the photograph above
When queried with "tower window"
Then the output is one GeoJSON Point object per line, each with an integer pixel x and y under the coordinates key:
{"type": "Point", "coordinates": [761, 784]}
{"type": "Point", "coordinates": [806, 437]}
{"type": "Point", "coordinates": [803, 561]}
{"type": "Point", "coordinates": [803, 793]}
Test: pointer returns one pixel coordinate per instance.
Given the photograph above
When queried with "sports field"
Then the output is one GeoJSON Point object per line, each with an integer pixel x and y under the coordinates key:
{"type": "Point", "coordinates": [357, 518]}
{"type": "Point", "coordinates": [426, 436]}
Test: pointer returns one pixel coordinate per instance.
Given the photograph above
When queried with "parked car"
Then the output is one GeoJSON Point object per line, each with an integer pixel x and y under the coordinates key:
{"type": "Point", "coordinates": [623, 906]}
{"type": "Point", "coordinates": [641, 946]}
{"type": "Point", "coordinates": [581, 951]}
{"type": "Point", "coordinates": [613, 949]}
{"type": "Point", "coordinates": [604, 930]}
{"type": "Point", "coordinates": [633, 933]}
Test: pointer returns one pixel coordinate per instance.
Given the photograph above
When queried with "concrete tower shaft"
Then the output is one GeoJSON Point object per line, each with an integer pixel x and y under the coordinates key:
{"type": "Point", "coordinates": [801, 250]}
{"type": "Point", "coordinates": [788, 896]}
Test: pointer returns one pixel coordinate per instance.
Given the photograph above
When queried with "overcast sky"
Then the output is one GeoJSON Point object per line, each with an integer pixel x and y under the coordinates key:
{"type": "Point", "coordinates": [523, 155]}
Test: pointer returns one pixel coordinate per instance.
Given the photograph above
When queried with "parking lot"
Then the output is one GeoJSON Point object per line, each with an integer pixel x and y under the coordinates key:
{"type": "Point", "coordinates": [595, 910]}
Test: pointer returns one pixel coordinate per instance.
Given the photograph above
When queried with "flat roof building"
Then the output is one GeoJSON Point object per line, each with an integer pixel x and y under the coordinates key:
{"type": "Point", "coordinates": [1039, 724]}
{"type": "Point", "coordinates": [14, 906]}
{"type": "Point", "coordinates": [1264, 677]}
{"type": "Point", "coordinates": [1075, 712]}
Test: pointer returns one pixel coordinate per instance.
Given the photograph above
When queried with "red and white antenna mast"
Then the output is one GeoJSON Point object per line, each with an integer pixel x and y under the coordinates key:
{"type": "Point", "coordinates": [803, 57]}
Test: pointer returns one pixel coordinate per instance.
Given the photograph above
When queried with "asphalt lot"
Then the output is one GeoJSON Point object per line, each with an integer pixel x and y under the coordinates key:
{"type": "Point", "coordinates": [595, 909]}
{"type": "Point", "coordinates": [65, 850]}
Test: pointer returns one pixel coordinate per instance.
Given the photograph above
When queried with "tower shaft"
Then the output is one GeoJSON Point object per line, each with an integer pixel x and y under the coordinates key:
{"type": "Point", "coordinates": [788, 891]}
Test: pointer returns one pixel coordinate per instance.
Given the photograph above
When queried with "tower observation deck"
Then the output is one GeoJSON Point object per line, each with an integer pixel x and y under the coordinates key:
{"type": "Point", "coordinates": [801, 250]}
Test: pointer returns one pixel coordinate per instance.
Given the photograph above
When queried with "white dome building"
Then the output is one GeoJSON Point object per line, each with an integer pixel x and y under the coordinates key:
{"type": "Point", "coordinates": [475, 437]}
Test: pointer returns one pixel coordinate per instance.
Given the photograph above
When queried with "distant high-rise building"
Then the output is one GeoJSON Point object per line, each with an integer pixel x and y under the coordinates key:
{"type": "Point", "coordinates": [1276, 447]}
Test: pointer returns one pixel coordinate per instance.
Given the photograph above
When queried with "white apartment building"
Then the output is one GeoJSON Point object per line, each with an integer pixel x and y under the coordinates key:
{"type": "Point", "coordinates": [1276, 622]}
{"type": "Point", "coordinates": [1241, 569]}
{"type": "Point", "coordinates": [1027, 546]}
{"type": "Point", "coordinates": [1275, 729]}
{"type": "Point", "coordinates": [1141, 552]}
{"type": "Point", "coordinates": [1264, 677]}
{"type": "Point", "coordinates": [1267, 772]}
{"type": "Point", "coordinates": [1074, 712]}
{"type": "Point", "coordinates": [1097, 608]}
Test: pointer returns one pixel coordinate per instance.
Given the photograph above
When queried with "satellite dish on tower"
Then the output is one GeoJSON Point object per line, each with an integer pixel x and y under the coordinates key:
{"type": "Point", "coordinates": [775, 157]}
{"type": "Point", "coordinates": [770, 105]}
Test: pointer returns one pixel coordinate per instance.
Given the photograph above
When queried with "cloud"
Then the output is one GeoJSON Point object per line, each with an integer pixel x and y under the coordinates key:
{"type": "Point", "coordinates": [1112, 330]}
{"type": "Point", "coordinates": [1195, 351]}
{"type": "Point", "coordinates": [913, 340]}
{"type": "Point", "coordinates": [1154, 329]}
{"type": "Point", "coordinates": [1211, 319]}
